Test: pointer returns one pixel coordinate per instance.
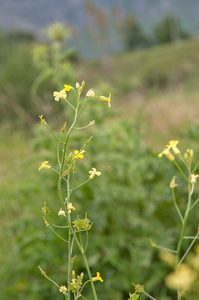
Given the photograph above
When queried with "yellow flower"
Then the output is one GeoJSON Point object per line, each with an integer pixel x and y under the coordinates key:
{"type": "Point", "coordinates": [172, 183]}
{"type": "Point", "coordinates": [67, 88]}
{"type": "Point", "coordinates": [90, 93]}
{"type": "Point", "coordinates": [70, 206]}
{"type": "Point", "coordinates": [61, 212]}
{"type": "Point", "coordinates": [167, 153]}
{"type": "Point", "coordinates": [78, 154]}
{"type": "Point", "coordinates": [167, 257]}
{"type": "Point", "coordinates": [102, 98]}
{"type": "Point", "coordinates": [183, 278]}
{"type": "Point", "coordinates": [44, 166]}
{"type": "Point", "coordinates": [63, 289]}
{"type": "Point", "coordinates": [59, 95]}
{"type": "Point", "coordinates": [193, 178]}
{"type": "Point", "coordinates": [94, 172]}
{"type": "Point", "coordinates": [98, 277]}
{"type": "Point", "coordinates": [172, 144]}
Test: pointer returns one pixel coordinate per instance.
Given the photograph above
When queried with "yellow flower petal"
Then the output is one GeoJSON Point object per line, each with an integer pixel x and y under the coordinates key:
{"type": "Point", "coordinates": [44, 166]}
{"type": "Point", "coordinates": [90, 93]}
{"type": "Point", "coordinates": [59, 95]}
{"type": "Point", "coordinates": [102, 98]}
{"type": "Point", "coordinates": [94, 172]}
{"type": "Point", "coordinates": [78, 154]}
{"type": "Point", "coordinates": [63, 289]}
{"type": "Point", "coordinates": [98, 277]}
{"type": "Point", "coordinates": [172, 144]}
{"type": "Point", "coordinates": [167, 153]}
{"type": "Point", "coordinates": [172, 183]}
{"type": "Point", "coordinates": [70, 206]}
{"type": "Point", "coordinates": [67, 88]}
{"type": "Point", "coordinates": [193, 178]}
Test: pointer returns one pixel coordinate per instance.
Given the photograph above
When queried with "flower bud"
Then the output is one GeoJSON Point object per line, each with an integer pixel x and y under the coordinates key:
{"type": "Point", "coordinates": [172, 183]}
{"type": "Point", "coordinates": [77, 85]}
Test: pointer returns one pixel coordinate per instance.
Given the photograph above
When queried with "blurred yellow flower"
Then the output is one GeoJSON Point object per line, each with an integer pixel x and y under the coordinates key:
{"type": "Point", "coordinates": [70, 206]}
{"type": "Point", "coordinates": [193, 178]}
{"type": "Point", "coordinates": [167, 257]}
{"type": "Point", "coordinates": [61, 212]}
{"type": "Point", "coordinates": [90, 93]}
{"type": "Point", "coordinates": [102, 98]}
{"type": "Point", "coordinates": [173, 183]}
{"type": "Point", "coordinates": [63, 289]}
{"type": "Point", "coordinates": [78, 154]}
{"type": "Point", "coordinates": [183, 278]}
{"type": "Point", "coordinates": [59, 95]}
{"type": "Point", "coordinates": [167, 153]}
{"type": "Point", "coordinates": [44, 166]}
{"type": "Point", "coordinates": [94, 172]}
{"type": "Point", "coordinates": [172, 144]}
{"type": "Point", "coordinates": [98, 277]}
{"type": "Point", "coordinates": [67, 88]}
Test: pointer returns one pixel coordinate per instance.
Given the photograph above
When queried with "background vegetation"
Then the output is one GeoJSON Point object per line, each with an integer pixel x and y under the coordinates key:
{"type": "Point", "coordinates": [155, 99]}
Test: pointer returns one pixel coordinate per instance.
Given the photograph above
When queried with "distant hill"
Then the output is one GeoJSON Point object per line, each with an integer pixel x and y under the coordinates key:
{"type": "Point", "coordinates": [34, 16]}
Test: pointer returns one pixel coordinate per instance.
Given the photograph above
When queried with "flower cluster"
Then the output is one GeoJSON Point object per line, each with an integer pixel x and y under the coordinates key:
{"type": "Point", "coordinates": [82, 224]}
{"type": "Point", "coordinates": [90, 94]}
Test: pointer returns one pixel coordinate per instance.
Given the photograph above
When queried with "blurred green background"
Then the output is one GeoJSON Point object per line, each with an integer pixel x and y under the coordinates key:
{"type": "Point", "coordinates": [154, 86]}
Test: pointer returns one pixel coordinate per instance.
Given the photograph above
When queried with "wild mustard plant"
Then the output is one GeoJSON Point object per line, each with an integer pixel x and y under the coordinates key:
{"type": "Point", "coordinates": [68, 165]}
{"type": "Point", "coordinates": [52, 60]}
{"type": "Point", "coordinates": [183, 276]}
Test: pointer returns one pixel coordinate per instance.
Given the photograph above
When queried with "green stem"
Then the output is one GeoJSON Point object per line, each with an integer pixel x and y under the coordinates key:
{"type": "Point", "coordinates": [164, 248]}
{"type": "Point", "coordinates": [183, 228]}
{"type": "Point", "coordinates": [176, 206]}
{"type": "Point", "coordinates": [69, 103]}
{"type": "Point", "coordinates": [86, 264]}
{"type": "Point", "coordinates": [84, 285]}
{"type": "Point", "coordinates": [149, 296]}
{"type": "Point", "coordinates": [87, 239]}
{"type": "Point", "coordinates": [195, 238]}
{"type": "Point", "coordinates": [69, 240]}
{"type": "Point", "coordinates": [60, 141]}
{"type": "Point", "coordinates": [197, 200]}
{"type": "Point", "coordinates": [56, 232]}
{"type": "Point", "coordinates": [195, 167]}
{"type": "Point", "coordinates": [57, 225]}
{"type": "Point", "coordinates": [180, 170]}
{"type": "Point", "coordinates": [81, 184]}
{"type": "Point", "coordinates": [65, 294]}
{"type": "Point", "coordinates": [185, 220]}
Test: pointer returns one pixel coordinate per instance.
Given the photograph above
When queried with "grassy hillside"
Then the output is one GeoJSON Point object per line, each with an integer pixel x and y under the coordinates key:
{"type": "Point", "coordinates": [161, 83]}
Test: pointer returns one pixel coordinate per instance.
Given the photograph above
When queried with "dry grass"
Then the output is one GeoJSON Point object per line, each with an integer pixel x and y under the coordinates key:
{"type": "Point", "coordinates": [165, 115]}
